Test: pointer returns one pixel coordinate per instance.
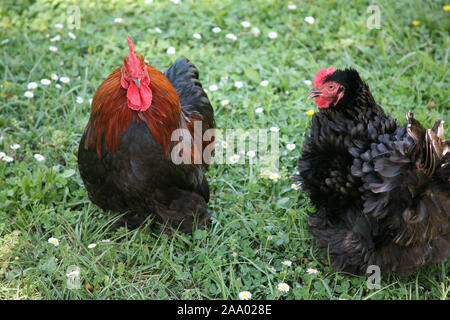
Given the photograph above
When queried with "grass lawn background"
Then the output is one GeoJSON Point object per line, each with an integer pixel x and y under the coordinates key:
{"type": "Point", "coordinates": [258, 223]}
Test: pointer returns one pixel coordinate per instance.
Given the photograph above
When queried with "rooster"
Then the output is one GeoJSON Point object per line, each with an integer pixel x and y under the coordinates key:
{"type": "Point", "coordinates": [124, 155]}
{"type": "Point", "coordinates": [381, 190]}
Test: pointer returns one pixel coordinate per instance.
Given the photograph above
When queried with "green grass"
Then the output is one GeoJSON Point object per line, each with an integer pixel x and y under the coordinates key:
{"type": "Point", "coordinates": [257, 222]}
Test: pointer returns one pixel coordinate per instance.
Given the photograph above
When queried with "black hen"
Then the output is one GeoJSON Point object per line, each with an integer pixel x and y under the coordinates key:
{"type": "Point", "coordinates": [381, 191]}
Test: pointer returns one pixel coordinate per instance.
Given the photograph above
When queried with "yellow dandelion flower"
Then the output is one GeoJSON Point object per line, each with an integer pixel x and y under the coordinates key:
{"type": "Point", "coordinates": [6, 83]}
{"type": "Point", "coordinates": [415, 23]}
{"type": "Point", "coordinates": [310, 112]}
{"type": "Point", "coordinates": [446, 8]}
{"type": "Point", "coordinates": [6, 25]}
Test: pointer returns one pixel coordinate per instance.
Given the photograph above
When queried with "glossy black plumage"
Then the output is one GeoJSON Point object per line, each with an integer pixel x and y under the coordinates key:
{"type": "Point", "coordinates": [138, 178]}
{"type": "Point", "coordinates": [381, 191]}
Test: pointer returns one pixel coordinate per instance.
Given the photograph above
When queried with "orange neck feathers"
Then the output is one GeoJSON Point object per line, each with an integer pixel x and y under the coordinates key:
{"type": "Point", "coordinates": [111, 116]}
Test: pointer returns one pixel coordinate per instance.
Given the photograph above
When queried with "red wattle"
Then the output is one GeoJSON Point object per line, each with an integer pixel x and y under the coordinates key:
{"type": "Point", "coordinates": [322, 103]}
{"type": "Point", "coordinates": [146, 97]}
{"type": "Point", "coordinates": [139, 99]}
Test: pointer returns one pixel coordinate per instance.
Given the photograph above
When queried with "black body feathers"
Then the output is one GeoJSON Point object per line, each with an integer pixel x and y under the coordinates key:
{"type": "Point", "coordinates": [381, 191]}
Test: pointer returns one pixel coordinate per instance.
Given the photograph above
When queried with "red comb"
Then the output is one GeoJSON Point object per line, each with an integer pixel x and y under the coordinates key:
{"type": "Point", "coordinates": [321, 75]}
{"type": "Point", "coordinates": [133, 62]}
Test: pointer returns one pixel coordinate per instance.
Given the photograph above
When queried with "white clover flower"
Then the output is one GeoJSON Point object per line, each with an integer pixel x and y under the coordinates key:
{"type": "Point", "coordinates": [295, 186]}
{"type": "Point", "coordinates": [106, 240]}
{"type": "Point", "coordinates": [251, 154]}
{"type": "Point", "coordinates": [259, 110]}
{"type": "Point", "coordinates": [292, 7]}
{"type": "Point", "coordinates": [53, 49]}
{"type": "Point", "coordinates": [224, 144]}
{"type": "Point", "coordinates": [290, 146]}
{"type": "Point", "coordinates": [224, 103]}
{"type": "Point", "coordinates": [59, 26]}
{"type": "Point", "coordinates": [245, 24]}
{"type": "Point", "coordinates": [15, 146]}
{"type": "Point", "coordinates": [274, 129]}
{"type": "Point", "coordinates": [7, 159]}
{"type": "Point", "coordinates": [307, 82]}
{"type": "Point", "coordinates": [118, 20]}
{"type": "Point", "coordinates": [234, 158]}
{"type": "Point", "coordinates": [274, 176]}
{"type": "Point", "coordinates": [64, 79]}
{"type": "Point", "coordinates": [171, 50]}
{"type": "Point", "coordinates": [245, 295]}
{"type": "Point", "coordinates": [45, 82]}
{"type": "Point", "coordinates": [79, 100]}
{"type": "Point", "coordinates": [309, 20]}
{"type": "Point", "coordinates": [58, 86]}
{"type": "Point", "coordinates": [256, 32]}
{"type": "Point", "coordinates": [287, 263]}
{"type": "Point", "coordinates": [92, 245]}
{"type": "Point", "coordinates": [213, 87]}
{"type": "Point", "coordinates": [273, 35]}
{"type": "Point", "coordinates": [197, 35]}
{"type": "Point", "coordinates": [283, 287]}
{"type": "Point", "coordinates": [29, 94]}
{"type": "Point", "coordinates": [238, 84]}
{"type": "Point", "coordinates": [55, 38]}
{"type": "Point", "coordinates": [39, 157]}
{"type": "Point", "coordinates": [53, 241]}
{"type": "Point", "coordinates": [231, 36]}
{"type": "Point", "coordinates": [176, 1]}
{"type": "Point", "coordinates": [71, 35]}
{"type": "Point", "coordinates": [264, 83]}
{"type": "Point", "coordinates": [32, 85]}
{"type": "Point", "coordinates": [2, 155]}
{"type": "Point", "coordinates": [148, 1]}
{"type": "Point", "coordinates": [158, 30]}
{"type": "Point", "coordinates": [216, 30]}
{"type": "Point", "coordinates": [312, 271]}
{"type": "Point", "coordinates": [5, 41]}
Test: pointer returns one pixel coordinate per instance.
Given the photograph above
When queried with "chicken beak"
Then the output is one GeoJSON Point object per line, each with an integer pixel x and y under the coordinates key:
{"type": "Point", "coordinates": [137, 82]}
{"type": "Point", "coordinates": [314, 92]}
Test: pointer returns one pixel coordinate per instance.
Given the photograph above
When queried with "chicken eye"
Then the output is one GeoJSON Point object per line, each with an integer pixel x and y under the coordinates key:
{"type": "Point", "coordinates": [331, 87]}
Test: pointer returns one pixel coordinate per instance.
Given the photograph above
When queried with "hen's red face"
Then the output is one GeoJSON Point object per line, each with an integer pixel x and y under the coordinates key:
{"type": "Point", "coordinates": [326, 93]}
{"type": "Point", "coordinates": [135, 79]}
